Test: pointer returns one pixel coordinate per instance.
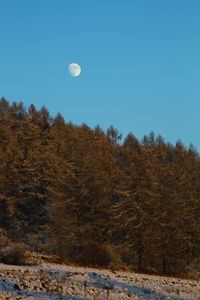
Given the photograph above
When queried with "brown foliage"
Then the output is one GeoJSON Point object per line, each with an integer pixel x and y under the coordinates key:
{"type": "Point", "coordinates": [76, 192]}
{"type": "Point", "coordinates": [98, 255]}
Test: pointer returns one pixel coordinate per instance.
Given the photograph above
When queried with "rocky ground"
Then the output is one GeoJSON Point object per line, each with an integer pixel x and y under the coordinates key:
{"type": "Point", "coordinates": [51, 281]}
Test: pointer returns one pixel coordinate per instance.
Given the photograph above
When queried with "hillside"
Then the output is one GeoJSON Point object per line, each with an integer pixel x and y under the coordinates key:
{"type": "Point", "coordinates": [51, 281]}
{"type": "Point", "coordinates": [93, 200]}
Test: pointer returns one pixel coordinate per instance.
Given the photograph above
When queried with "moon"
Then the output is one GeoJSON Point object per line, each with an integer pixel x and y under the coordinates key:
{"type": "Point", "coordinates": [74, 69]}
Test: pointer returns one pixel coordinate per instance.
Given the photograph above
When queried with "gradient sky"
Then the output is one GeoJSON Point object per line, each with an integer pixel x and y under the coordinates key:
{"type": "Point", "coordinates": [140, 62]}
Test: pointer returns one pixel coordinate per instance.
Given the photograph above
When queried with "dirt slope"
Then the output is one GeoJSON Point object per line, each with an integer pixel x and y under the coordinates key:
{"type": "Point", "coordinates": [50, 281]}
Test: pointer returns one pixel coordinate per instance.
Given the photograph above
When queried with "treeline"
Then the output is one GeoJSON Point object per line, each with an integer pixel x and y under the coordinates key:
{"type": "Point", "coordinates": [81, 194]}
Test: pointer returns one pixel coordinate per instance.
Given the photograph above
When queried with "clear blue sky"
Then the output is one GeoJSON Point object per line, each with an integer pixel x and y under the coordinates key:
{"type": "Point", "coordinates": [140, 62]}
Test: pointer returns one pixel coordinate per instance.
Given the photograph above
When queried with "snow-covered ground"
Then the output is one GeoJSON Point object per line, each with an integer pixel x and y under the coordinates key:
{"type": "Point", "coordinates": [51, 281]}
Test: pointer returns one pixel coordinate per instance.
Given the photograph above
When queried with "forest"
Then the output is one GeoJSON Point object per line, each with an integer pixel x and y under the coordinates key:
{"type": "Point", "coordinates": [93, 199]}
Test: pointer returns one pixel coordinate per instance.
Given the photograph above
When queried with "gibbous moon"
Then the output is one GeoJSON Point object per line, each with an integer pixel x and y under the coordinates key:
{"type": "Point", "coordinates": [74, 69]}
